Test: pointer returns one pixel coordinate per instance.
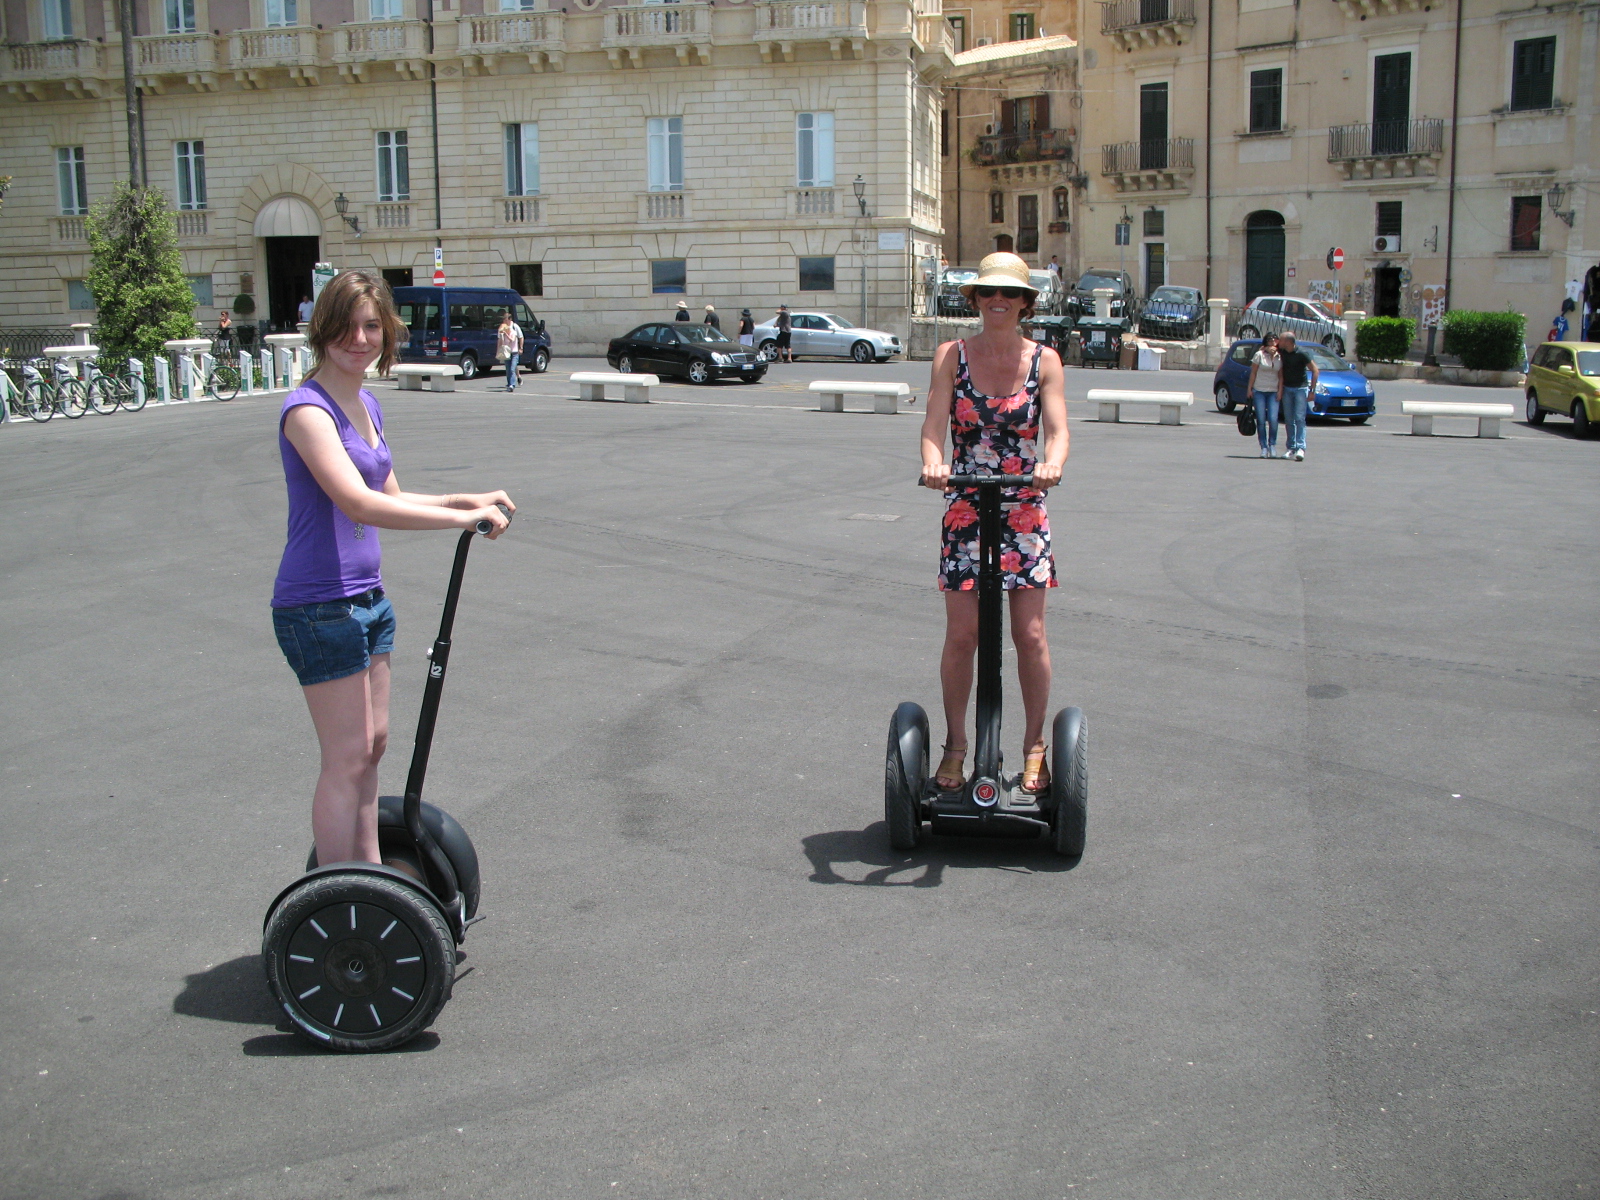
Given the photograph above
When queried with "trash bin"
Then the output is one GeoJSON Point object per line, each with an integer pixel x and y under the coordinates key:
{"type": "Point", "coordinates": [1051, 331]}
{"type": "Point", "coordinates": [1102, 340]}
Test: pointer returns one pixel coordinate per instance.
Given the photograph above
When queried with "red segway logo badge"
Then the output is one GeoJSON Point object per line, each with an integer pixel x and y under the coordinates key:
{"type": "Point", "coordinates": [985, 793]}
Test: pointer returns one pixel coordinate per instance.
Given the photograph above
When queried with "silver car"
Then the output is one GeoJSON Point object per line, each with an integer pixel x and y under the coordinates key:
{"type": "Point", "coordinates": [827, 335]}
{"type": "Point", "coordinates": [1306, 319]}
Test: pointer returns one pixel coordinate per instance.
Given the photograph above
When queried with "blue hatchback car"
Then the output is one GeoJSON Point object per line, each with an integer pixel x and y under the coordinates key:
{"type": "Point", "coordinates": [1342, 390]}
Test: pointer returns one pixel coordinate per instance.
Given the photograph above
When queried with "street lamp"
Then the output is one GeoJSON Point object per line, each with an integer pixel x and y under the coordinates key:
{"type": "Point", "coordinates": [859, 186]}
{"type": "Point", "coordinates": [1555, 196]}
{"type": "Point", "coordinates": [342, 206]}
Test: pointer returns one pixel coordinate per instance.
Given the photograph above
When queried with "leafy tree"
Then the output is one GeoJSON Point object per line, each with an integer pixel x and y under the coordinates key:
{"type": "Point", "coordinates": [136, 274]}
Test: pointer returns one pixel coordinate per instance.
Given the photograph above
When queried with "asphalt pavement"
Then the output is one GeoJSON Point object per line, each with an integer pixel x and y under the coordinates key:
{"type": "Point", "coordinates": [1333, 934]}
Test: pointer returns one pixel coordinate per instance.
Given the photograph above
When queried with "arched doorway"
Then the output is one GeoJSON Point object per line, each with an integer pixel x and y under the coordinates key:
{"type": "Point", "coordinates": [291, 231]}
{"type": "Point", "coordinates": [1002, 243]}
{"type": "Point", "coordinates": [1263, 254]}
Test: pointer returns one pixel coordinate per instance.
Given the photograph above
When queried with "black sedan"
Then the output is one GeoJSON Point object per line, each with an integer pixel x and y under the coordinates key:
{"type": "Point", "coordinates": [699, 353]}
{"type": "Point", "coordinates": [1172, 312]}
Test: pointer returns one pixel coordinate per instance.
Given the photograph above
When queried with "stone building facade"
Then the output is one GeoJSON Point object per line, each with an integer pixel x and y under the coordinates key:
{"type": "Point", "coordinates": [607, 160]}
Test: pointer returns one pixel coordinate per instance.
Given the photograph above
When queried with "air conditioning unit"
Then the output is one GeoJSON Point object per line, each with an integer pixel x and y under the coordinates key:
{"type": "Point", "coordinates": [1388, 243]}
{"type": "Point", "coordinates": [986, 41]}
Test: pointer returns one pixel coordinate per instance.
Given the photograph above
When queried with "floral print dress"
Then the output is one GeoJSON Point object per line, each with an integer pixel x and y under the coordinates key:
{"type": "Point", "coordinates": [995, 435]}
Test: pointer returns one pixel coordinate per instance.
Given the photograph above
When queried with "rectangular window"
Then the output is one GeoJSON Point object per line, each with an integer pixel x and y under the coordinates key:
{"type": "Point", "coordinates": [1153, 99]}
{"type": "Point", "coordinates": [1155, 222]}
{"type": "Point", "coordinates": [1527, 212]}
{"type": "Point", "coordinates": [813, 149]}
{"type": "Point", "coordinates": [1533, 73]}
{"type": "Point", "coordinates": [1021, 26]}
{"type": "Point", "coordinates": [1155, 266]}
{"type": "Point", "coordinates": [72, 181]}
{"type": "Point", "coordinates": [383, 10]}
{"type": "Point", "coordinates": [397, 277]}
{"type": "Point", "coordinates": [180, 16]}
{"type": "Point", "coordinates": [669, 274]}
{"type": "Point", "coordinates": [958, 33]}
{"type": "Point", "coordinates": [527, 279]}
{"type": "Point", "coordinates": [282, 13]}
{"type": "Point", "coordinates": [1027, 114]}
{"type": "Point", "coordinates": [997, 208]}
{"type": "Point", "coordinates": [816, 274]}
{"type": "Point", "coordinates": [191, 172]}
{"type": "Point", "coordinates": [57, 19]}
{"type": "Point", "coordinates": [394, 165]}
{"type": "Point", "coordinates": [1388, 216]}
{"type": "Point", "coordinates": [466, 318]}
{"type": "Point", "coordinates": [665, 145]}
{"type": "Point", "coordinates": [419, 318]}
{"type": "Point", "coordinates": [79, 298]}
{"type": "Point", "coordinates": [1027, 224]}
{"type": "Point", "coordinates": [1266, 100]}
{"type": "Point", "coordinates": [522, 160]}
{"type": "Point", "coordinates": [200, 285]}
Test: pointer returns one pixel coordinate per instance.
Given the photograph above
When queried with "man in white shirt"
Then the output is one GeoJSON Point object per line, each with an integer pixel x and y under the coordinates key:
{"type": "Point", "coordinates": [1054, 267]}
{"type": "Point", "coordinates": [305, 309]}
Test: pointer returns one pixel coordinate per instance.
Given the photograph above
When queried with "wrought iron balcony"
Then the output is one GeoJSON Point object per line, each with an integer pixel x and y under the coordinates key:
{"type": "Point", "coordinates": [1164, 165]}
{"type": "Point", "coordinates": [537, 35]}
{"type": "Point", "coordinates": [1133, 24]}
{"type": "Point", "coordinates": [781, 24]}
{"type": "Point", "coordinates": [1037, 145]}
{"type": "Point", "coordinates": [1387, 149]}
{"type": "Point", "coordinates": [631, 29]}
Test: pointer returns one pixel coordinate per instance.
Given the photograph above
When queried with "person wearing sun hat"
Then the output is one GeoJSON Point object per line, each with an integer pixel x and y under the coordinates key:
{"type": "Point", "coordinates": [1001, 400]}
{"type": "Point", "coordinates": [683, 311]}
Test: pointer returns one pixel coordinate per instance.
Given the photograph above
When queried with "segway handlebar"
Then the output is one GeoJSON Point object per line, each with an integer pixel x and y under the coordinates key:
{"type": "Point", "coordinates": [987, 480]}
{"type": "Point", "coordinates": [487, 527]}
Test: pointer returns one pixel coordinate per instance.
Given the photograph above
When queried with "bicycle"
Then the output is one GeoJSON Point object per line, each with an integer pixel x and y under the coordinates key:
{"type": "Point", "coordinates": [43, 397]}
{"type": "Point", "coordinates": [117, 386]}
{"type": "Point", "coordinates": [222, 381]}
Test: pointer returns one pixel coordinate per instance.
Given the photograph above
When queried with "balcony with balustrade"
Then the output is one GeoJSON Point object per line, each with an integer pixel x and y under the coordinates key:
{"type": "Point", "coordinates": [71, 230]}
{"type": "Point", "coordinates": [360, 45]}
{"type": "Point", "coordinates": [1360, 10]}
{"type": "Point", "coordinates": [191, 222]}
{"type": "Point", "coordinates": [814, 201]}
{"type": "Point", "coordinates": [183, 59]}
{"type": "Point", "coordinates": [30, 69]}
{"type": "Point", "coordinates": [632, 29]}
{"type": "Point", "coordinates": [1136, 24]}
{"type": "Point", "coordinates": [537, 36]}
{"type": "Point", "coordinates": [1034, 145]}
{"type": "Point", "coordinates": [781, 25]}
{"type": "Point", "coordinates": [520, 210]}
{"type": "Point", "coordinates": [1387, 149]}
{"type": "Point", "coordinates": [252, 53]}
{"type": "Point", "coordinates": [1163, 165]}
{"type": "Point", "coordinates": [664, 206]}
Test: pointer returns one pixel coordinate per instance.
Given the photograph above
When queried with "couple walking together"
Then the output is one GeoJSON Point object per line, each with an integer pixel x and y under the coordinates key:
{"type": "Point", "coordinates": [1282, 377]}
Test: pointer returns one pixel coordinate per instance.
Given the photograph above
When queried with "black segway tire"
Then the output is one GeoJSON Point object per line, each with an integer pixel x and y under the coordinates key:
{"type": "Point", "coordinates": [1069, 782]}
{"type": "Point", "coordinates": [358, 962]}
{"type": "Point", "coordinates": [905, 775]}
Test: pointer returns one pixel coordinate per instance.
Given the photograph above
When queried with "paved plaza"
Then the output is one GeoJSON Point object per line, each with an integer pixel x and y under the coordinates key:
{"type": "Point", "coordinates": [1333, 934]}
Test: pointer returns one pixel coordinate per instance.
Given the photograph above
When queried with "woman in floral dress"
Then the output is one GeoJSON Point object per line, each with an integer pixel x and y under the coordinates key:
{"type": "Point", "coordinates": [1001, 399]}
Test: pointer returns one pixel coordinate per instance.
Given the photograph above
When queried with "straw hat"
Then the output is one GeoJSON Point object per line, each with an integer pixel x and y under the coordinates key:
{"type": "Point", "coordinates": [683, 304]}
{"type": "Point", "coordinates": [1000, 270]}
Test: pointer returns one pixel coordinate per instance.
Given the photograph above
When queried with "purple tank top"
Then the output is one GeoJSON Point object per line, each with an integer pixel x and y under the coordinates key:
{"type": "Point", "coordinates": [328, 556]}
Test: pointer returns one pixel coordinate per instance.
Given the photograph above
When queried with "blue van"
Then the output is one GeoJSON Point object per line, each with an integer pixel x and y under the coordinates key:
{"type": "Point", "coordinates": [458, 324]}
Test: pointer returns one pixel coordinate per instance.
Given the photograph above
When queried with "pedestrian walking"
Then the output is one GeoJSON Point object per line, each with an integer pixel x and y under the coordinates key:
{"type": "Point", "coordinates": [333, 621]}
{"type": "Point", "coordinates": [683, 311]}
{"type": "Point", "coordinates": [785, 323]}
{"type": "Point", "coordinates": [508, 349]}
{"type": "Point", "coordinates": [1001, 401]}
{"type": "Point", "coordinates": [1054, 266]}
{"type": "Point", "coordinates": [1297, 376]}
{"type": "Point", "coordinates": [747, 328]}
{"type": "Point", "coordinates": [711, 317]}
{"type": "Point", "coordinates": [1265, 390]}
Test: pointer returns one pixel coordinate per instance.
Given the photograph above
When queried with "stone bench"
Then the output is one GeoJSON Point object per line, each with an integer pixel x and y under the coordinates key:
{"type": "Point", "coordinates": [1489, 416]}
{"type": "Point", "coordinates": [1169, 404]}
{"type": "Point", "coordinates": [635, 388]}
{"type": "Point", "coordinates": [885, 396]}
{"type": "Point", "coordinates": [426, 377]}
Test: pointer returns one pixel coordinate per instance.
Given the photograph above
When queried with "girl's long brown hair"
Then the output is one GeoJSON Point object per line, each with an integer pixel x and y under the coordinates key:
{"type": "Point", "coordinates": [335, 312]}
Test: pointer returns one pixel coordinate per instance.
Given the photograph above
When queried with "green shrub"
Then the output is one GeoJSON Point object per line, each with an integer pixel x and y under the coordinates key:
{"type": "Point", "coordinates": [1485, 341]}
{"type": "Point", "coordinates": [1384, 339]}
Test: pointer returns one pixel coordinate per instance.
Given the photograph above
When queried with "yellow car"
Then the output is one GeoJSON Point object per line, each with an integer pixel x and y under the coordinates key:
{"type": "Point", "coordinates": [1564, 377]}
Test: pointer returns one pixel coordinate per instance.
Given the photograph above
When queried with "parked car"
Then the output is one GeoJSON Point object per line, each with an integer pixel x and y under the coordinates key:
{"type": "Point", "coordinates": [461, 324]}
{"type": "Point", "coordinates": [827, 335]}
{"type": "Point", "coordinates": [1052, 297]}
{"type": "Point", "coordinates": [1564, 377]}
{"type": "Point", "coordinates": [1342, 390]}
{"type": "Point", "coordinates": [699, 353]}
{"type": "Point", "coordinates": [1119, 282]}
{"type": "Point", "coordinates": [951, 302]}
{"type": "Point", "coordinates": [1174, 312]}
{"type": "Point", "coordinates": [1306, 319]}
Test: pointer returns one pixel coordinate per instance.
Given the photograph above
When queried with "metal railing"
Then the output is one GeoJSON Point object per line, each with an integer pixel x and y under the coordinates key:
{"type": "Point", "coordinates": [30, 343]}
{"type": "Point", "coordinates": [1167, 154]}
{"type": "Point", "coordinates": [1126, 14]}
{"type": "Point", "coordinates": [1386, 139]}
{"type": "Point", "coordinates": [1037, 145]}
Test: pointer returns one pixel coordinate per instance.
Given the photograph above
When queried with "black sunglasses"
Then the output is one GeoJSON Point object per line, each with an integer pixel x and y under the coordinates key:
{"type": "Point", "coordinates": [985, 293]}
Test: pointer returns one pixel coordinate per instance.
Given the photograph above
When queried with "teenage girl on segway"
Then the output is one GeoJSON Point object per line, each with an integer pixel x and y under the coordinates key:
{"type": "Point", "coordinates": [998, 396]}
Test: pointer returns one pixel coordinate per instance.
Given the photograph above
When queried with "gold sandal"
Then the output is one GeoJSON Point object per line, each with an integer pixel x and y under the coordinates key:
{"type": "Point", "coordinates": [950, 768]}
{"type": "Point", "coordinates": [1035, 771]}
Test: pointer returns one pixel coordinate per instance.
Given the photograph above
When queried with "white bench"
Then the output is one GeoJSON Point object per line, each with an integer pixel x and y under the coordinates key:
{"type": "Point", "coordinates": [885, 396]}
{"type": "Point", "coordinates": [426, 377]}
{"type": "Point", "coordinates": [1170, 404]}
{"type": "Point", "coordinates": [1422, 413]}
{"type": "Point", "coordinates": [635, 388]}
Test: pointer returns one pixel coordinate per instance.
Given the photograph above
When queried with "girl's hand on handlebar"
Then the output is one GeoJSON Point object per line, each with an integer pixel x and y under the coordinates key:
{"type": "Point", "coordinates": [491, 513]}
{"type": "Point", "coordinates": [484, 500]}
{"type": "Point", "coordinates": [1046, 475]}
{"type": "Point", "coordinates": [936, 477]}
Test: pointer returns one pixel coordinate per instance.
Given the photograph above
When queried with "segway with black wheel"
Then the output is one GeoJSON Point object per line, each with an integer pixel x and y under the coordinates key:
{"type": "Point", "coordinates": [362, 956]}
{"type": "Point", "coordinates": [990, 804]}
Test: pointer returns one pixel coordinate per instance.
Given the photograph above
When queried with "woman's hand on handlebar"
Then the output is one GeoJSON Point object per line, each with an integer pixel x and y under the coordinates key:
{"type": "Point", "coordinates": [483, 500]}
{"type": "Point", "coordinates": [936, 476]}
{"type": "Point", "coordinates": [496, 516]}
{"type": "Point", "coordinates": [1046, 475]}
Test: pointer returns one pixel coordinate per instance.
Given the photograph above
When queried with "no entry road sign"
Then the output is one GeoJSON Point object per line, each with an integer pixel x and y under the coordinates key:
{"type": "Point", "coordinates": [1335, 258]}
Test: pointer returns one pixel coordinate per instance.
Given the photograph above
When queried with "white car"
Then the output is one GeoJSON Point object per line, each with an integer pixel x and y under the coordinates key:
{"type": "Point", "coordinates": [1308, 320]}
{"type": "Point", "coordinates": [826, 335]}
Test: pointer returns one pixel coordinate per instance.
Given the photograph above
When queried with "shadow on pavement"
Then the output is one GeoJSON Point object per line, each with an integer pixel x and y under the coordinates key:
{"type": "Point", "coordinates": [870, 847]}
{"type": "Point", "coordinates": [232, 991]}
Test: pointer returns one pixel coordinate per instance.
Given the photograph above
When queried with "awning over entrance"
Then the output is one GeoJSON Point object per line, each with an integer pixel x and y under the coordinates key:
{"type": "Point", "coordinates": [288, 216]}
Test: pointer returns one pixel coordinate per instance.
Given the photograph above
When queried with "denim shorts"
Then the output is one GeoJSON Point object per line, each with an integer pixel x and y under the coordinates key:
{"type": "Point", "coordinates": [328, 641]}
